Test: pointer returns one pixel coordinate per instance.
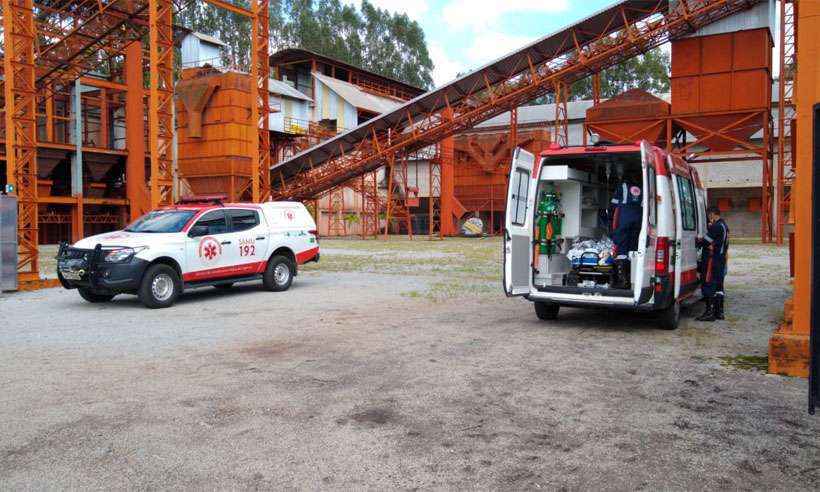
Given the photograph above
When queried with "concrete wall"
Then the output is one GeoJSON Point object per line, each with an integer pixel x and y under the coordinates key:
{"type": "Point", "coordinates": [741, 215]}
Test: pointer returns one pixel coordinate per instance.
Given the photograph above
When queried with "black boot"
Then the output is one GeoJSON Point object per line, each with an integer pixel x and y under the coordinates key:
{"type": "Point", "coordinates": [709, 313]}
{"type": "Point", "coordinates": [622, 279]}
{"type": "Point", "coordinates": [719, 307]}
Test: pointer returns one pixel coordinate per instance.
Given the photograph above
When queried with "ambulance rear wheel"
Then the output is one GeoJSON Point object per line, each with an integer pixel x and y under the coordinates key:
{"type": "Point", "coordinates": [91, 296]}
{"type": "Point", "coordinates": [160, 287]}
{"type": "Point", "coordinates": [279, 274]}
{"type": "Point", "coordinates": [669, 318]}
{"type": "Point", "coordinates": [546, 310]}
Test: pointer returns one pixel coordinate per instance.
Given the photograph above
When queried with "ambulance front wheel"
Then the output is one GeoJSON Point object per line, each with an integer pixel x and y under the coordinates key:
{"type": "Point", "coordinates": [546, 310]}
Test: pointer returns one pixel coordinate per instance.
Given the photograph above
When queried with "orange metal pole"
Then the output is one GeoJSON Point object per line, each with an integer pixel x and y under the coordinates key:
{"type": "Point", "coordinates": [789, 345]}
{"type": "Point", "coordinates": [135, 190]}
{"type": "Point", "coordinates": [160, 107]}
{"type": "Point", "coordinates": [785, 84]}
{"type": "Point", "coordinates": [77, 220]}
{"type": "Point", "coordinates": [104, 131]}
{"type": "Point", "coordinates": [49, 117]}
{"type": "Point", "coordinates": [21, 131]}
{"type": "Point", "coordinates": [448, 182]}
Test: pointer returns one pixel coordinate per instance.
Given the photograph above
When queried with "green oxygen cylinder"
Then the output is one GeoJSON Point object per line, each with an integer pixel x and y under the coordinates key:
{"type": "Point", "coordinates": [550, 219]}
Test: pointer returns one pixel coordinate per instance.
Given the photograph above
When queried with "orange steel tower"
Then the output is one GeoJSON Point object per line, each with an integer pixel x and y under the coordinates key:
{"type": "Point", "coordinates": [48, 47]}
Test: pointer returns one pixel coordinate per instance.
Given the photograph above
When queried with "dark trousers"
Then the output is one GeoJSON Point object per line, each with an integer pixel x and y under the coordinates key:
{"type": "Point", "coordinates": [714, 272]}
{"type": "Point", "coordinates": [626, 228]}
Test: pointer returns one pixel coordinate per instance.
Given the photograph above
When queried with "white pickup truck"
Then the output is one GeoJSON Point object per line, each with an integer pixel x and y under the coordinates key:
{"type": "Point", "coordinates": [191, 245]}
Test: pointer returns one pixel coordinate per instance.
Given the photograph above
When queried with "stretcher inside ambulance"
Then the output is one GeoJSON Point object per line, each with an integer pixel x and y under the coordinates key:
{"type": "Point", "coordinates": [605, 226]}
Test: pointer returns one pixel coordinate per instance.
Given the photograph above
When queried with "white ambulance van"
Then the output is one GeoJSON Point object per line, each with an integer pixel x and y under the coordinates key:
{"type": "Point", "coordinates": [567, 263]}
{"type": "Point", "coordinates": [197, 243]}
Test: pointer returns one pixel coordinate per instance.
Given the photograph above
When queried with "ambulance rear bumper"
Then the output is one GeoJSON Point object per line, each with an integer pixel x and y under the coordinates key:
{"type": "Point", "coordinates": [590, 301]}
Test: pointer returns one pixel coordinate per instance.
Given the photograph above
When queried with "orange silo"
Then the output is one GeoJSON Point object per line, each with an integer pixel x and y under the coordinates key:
{"type": "Point", "coordinates": [214, 132]}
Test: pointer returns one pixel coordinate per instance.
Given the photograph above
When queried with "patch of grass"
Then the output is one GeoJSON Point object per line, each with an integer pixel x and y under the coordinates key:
{"type": "Point", "coordinates": [748, 362]}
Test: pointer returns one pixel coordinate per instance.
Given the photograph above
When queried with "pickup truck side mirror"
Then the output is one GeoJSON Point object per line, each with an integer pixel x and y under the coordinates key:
{"type": "Point", "coordinates": [198, 231]}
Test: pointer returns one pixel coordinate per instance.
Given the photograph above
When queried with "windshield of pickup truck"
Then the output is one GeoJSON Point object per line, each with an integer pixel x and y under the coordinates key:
{"type": "Point", "coordinates": [161, 221]}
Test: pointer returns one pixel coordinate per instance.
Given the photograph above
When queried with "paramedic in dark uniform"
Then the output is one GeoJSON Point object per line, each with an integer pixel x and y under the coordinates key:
{"type": "Point", "coordinates": [625, 226]}
{"type": "Point", "coordinates": [715, 253]}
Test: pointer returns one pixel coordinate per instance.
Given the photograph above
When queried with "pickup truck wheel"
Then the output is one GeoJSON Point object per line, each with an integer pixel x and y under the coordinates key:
{"type": "Point", "coordinates": [160, 287]}
{"type": "Point", "coordinates": [279, 274]}
{"type": "Point", "coordinates": [546, 310]}
{"type": "Point", "coordinates": [91, 296]}
{"type": "Point", "coordinates": [669, 318]}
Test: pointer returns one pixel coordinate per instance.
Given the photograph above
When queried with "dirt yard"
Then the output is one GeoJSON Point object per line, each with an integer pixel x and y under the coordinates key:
{"type": "Point", "coordinates": [399, 365]}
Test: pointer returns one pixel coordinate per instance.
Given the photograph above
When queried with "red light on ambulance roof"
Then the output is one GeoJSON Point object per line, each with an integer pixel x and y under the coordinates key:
{"type": "Point", "coordinates": [555, 146]}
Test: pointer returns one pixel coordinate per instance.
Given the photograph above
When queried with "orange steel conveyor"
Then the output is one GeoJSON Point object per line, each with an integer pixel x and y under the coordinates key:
{"type": "Point", "coordinates": [624, 30]}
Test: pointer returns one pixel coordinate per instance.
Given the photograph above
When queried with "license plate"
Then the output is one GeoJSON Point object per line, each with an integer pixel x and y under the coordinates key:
{"type": "Point", "coordinates": [70, 274]}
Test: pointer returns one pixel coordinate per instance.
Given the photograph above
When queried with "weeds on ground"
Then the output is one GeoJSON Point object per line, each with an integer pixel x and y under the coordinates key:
{"type": "Point", "coordinates": [748, 362]}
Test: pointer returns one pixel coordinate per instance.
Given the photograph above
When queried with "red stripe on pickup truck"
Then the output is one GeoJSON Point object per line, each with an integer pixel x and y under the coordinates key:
{"type": "Point", "coordinates": [222, 272]}
{"type": "Point", "coordinates": [307, 255]}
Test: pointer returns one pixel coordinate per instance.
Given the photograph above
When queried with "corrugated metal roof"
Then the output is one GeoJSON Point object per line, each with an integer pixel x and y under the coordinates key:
{"type": "Point", "coordinates": [357, 97]}
{"type": "Point", "coordinates": [209, 39]}
{"type": "Point", "coordinates": [284, 89]}
{"type": "Point", "coordinates": [291, 55]}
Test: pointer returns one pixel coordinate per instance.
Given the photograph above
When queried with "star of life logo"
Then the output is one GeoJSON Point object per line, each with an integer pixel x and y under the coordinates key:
{"type": "Point", "coordinates": [209, 249]}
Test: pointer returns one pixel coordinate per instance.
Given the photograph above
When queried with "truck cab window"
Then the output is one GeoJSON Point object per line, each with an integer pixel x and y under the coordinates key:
{"type": "Point", "coordinates": [242, 220]}
{"type": "Point", "coordinates": [211, 223]}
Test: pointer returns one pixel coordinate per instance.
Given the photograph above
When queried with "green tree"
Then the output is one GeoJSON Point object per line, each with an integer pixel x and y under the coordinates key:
{"type": "Point", "coordinates": [374, 39]}
{"type": "Point", "coordinates": [649, 72]}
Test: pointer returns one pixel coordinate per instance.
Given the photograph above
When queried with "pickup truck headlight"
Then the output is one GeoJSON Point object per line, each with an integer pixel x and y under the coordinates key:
{"type": "Point", "coordinates": [122, 255]}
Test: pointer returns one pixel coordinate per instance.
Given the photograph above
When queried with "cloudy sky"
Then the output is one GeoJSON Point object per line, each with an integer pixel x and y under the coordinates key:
{"type": "Point", "coordinates": [465, 34]}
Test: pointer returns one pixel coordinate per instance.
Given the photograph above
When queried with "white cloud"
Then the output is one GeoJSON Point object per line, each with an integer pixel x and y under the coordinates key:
{"type": "Point", "coordinates": [491, 45]}
{"type": "Point", "coordinates": [481, 14]}
{"type": "Point", "coordinates": [414, 9]}
{"type": "Point", "coordinates": [445, 68]}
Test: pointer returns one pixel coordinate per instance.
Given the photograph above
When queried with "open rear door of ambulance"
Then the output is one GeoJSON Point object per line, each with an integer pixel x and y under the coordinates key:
{"type": "Point", "coordinates": [518, 226]}
{"type": "Point", "coordinates": [643, 267]}
{"type": "Point", "coordinates": [677, 245]}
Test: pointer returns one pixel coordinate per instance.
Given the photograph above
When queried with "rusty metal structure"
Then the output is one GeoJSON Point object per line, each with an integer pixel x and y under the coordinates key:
{"type": "Point", "coordinates": [720, 101]}
{"type": "Point", "coordinates": [53, 53]}
{"type": "Point", "coordinates": [602, 40]}
{"type": "Point", "coordinates": [786, 115]}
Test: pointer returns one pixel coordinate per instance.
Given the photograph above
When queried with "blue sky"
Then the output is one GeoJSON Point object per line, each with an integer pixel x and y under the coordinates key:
{"type": "Point", "coordinates": [465, 34]}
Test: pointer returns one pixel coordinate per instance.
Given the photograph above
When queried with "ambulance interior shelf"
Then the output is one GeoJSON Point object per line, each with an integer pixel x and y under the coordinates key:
{"type": "Point", "coordinates": [580, 255]}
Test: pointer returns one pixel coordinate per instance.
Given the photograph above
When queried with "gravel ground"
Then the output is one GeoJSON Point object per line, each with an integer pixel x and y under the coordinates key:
{"type": "Point", "coordinates": [398, 365]}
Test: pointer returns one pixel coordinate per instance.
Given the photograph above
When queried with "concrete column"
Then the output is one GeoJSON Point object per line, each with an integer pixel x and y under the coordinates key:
{"type": "Point", "coordinates": [77, 225]}
{"type": "Point", "coordinates": [77, 158]}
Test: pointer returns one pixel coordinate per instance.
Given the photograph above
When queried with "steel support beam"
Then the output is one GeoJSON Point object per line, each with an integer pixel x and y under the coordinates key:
{"type": "Point", "coordinates": [21, 129]}
{"type": "Point", "coordinates": [161, 101]}
{"type": "Point", "coordinates": [260, 109]}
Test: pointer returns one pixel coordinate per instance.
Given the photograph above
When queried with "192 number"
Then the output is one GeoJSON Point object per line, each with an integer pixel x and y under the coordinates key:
{"type": "Point", "coordinates": [247, 250]}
